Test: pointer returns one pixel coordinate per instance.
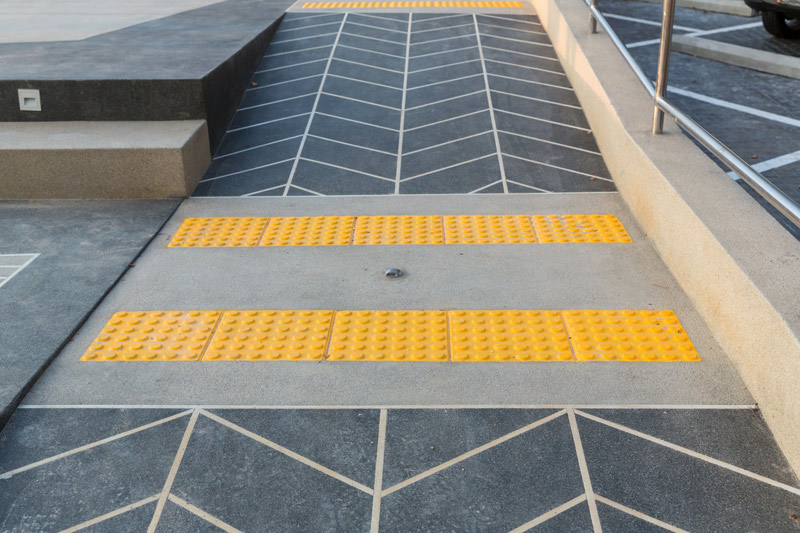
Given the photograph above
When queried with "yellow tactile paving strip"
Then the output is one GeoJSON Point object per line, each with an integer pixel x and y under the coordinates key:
{"type": "Point", "coordinates": [391, 229]}
{"type": "Point", "coordinates": [404, 335]}
{"type": "Point", "coordinates": [415, 4]}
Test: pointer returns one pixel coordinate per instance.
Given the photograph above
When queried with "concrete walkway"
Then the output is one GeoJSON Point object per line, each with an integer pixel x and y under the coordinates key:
{"type": "Point", "coordinates": [379, 115]}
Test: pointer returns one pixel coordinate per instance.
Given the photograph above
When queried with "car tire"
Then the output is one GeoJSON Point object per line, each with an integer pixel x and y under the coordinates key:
{"type": "Point", "coordinates": [778, 25]}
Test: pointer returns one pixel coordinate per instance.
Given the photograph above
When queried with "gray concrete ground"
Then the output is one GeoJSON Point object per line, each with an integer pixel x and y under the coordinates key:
{"type": "Point", "coordinates": [84, 247]}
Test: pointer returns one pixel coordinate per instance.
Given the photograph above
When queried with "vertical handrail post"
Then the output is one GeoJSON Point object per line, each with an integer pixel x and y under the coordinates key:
{"type": "Point", "coordinates": [667, 19]}
{"type": "Point", "coordinates": [592, 20]}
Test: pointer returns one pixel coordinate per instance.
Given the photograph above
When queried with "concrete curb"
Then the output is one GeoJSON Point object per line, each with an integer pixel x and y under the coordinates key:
{"type": "Point", "coordinates": [728, 7]}
{"type": "Point", "coordinates": [741, 56]}
{"type": "Point", "coordinates": [102, 159]}
{"type": "Point", "coordinates": [735, 262]}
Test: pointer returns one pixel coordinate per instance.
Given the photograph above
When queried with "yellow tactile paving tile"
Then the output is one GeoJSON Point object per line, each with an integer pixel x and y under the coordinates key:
{"type": "Point", "coordinates": [496, 336]}
{"type": "Point", "coordinates": [628, 335]}
{"type": "Point", "coordinates": [221, 231]}
{"type": "Point", "coordinates": [414, 4]}
{"type": "Point", "coordinates": [579, 228]}
{"type": "Point", "coordinates": [308, 231]}
{"type": "Point", "coordinates": [411, 335]}
{"type": "Point", "coordinates": [389, 336]}
{"type": "Point", "coordinates": [285, 335]}
{"type": "Point", "coordinates": [154, 336]}
{"type": "Point", "coordinates": [399, 230]}
{"type": "Point", "coordinates": [488, 229]}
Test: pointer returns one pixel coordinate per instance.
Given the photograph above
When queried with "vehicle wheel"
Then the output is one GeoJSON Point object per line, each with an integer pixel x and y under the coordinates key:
{"type": "Point", "coordinates": [778, 25]}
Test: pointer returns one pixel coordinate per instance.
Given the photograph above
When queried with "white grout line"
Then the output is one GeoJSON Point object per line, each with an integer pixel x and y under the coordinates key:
{"type": "Point", "coordinates": [251, 89]}
{"type": "Point", "coordinates": [698, 33]}
{"type": "Point", "coordinates": [701, 407]}
{"type": "Point", "coordinates": [486, 15]}
{"type": "Point", "coordinates": [378, 487]}
{"type": "Point", "coordinates": [223, 156]}
{"type": "Point", "coordinates": [423, 21]}
{"type": "Point", "coordinates": [444, 52]}
{"type": "Point", "coordinates": [531, 187]}
{"type": "Point", "coordinates": [587, 482]}
{"type": "Point", "coordinates": [510, 29]}
{"type": "Point", "coordinates": [278, 448]}
{"type": "Point", "coordinates": [642, 516]}
{"type": "Point", "coordinates": [559, 168]}
{"type": "Point", "coordinates": [399, 167]}
{"type": "Point", "coordinates": [645, 21]}
{"type": "Point", "coordinates": [446, 100]}
{"type": "Point", "coordinates": [360, 147]}
{"type": "Point", "coordinates": [479, 189]}
{"type": "Point", "coordinates": [347, 169]}
{"type": "Point", "coordinates": [547, 45]}
{"type": "Point", "coordinates": [273, 103]}
{"type": "Point", "coordinates": [637, 44]}
{"type": "Point", "coordinates": [441, 29]}
{"type": "Point", "coordinates": [737, 107]}
{"type": "Point", "coordinates": [445, 81]}
{"type": "Point", "coordinates": [549, 514]}
{"type": "Point", "coordinates": [437, 67]}
{"type": "Point", "coordinates": [448, 167]}
{"type": "Point", "coordinates": [521, 53]}
{"type": "Point", "coordinates": [18, 268]}
{"type": "Point", "coordinates": [376, 28]}
{"type": "Point", "coordinates": [266, 122]}
{"type": "Point", "coordinates": [173, 471]}
{"type": "Point", "coordinates": [314, 107]}
{"type": "Point", "coordinates": [365, 82]}
{"type": "Point", "coordinates": [112, 514]}
{"type": "Point", "coordinates": [356, 121]}
{"type": "Point", "coordinates": [297, 51]}
{"type": "Point", "coordinates": [491, 108]}
{"type": "Point", "coordinates": [371, 38]}
{"type": "Point", "coordinates": [551, 142]}
{"type": "Point", "coordinates": [360, 101]}
{"type": "Point", "coordinates": [470, 35]}
{"type": "Point", "coordinates": [303, 38]}
{"type": "Point", "coordinates": [533, 82]}
{"type": "Point", "coordinates": [449, 119]}
{"type": "Point", "coordinates": [202, 514]}
{"type": "Point", "coordinates": [527, 67]}
{"type": "Point", "coordinates": [91, 445]}
{"type": "Point", "coordinates": [315, 193]}
{"type": "Point", "coordinates": [537, 99]}
{"type": "Point", "coordinates": [770, 164]}
{"type": "Point", "coordinates": [247, 170]}
{"type": "Point", "coordinates": [543, 120]}
{"type": "Point", "coordinates": [368, 66]}
{"type": "Point", "coordinates": [289, 66]}
{"type": "Point", "coordinates": [448, 142]}
{"type": "Point", "coordinates": [471, 453]}
{"type": "Point", "coordinates": [369, 51]}
{"type": "Point", "coordinates": [696, 455]}
{"type": "Point", "coordinates": [255, 193]}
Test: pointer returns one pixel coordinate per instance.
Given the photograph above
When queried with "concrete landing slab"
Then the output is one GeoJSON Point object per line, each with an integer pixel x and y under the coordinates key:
{"type": "Point", "coordinates": [83, 248]}
{"type": "Point", "coordinates": [538, 276]}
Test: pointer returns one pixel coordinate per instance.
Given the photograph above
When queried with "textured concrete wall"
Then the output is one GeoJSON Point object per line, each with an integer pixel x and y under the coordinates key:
{"type": "Point", "coordinates": [102, 159]}
{"type": "Point", "coordinates": [739, 267]}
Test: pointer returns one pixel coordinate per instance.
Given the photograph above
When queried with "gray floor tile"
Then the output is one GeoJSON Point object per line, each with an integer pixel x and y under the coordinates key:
{"type": "Point", "coordinates": [445, 110]}
{"type": "Point", "coordinates": [360, 41]}
{"type": "Point", "coordinates": [275, 60]}
{"type": "Point", "coordinates": [573, 520]}
{"type": "Point", "coordinates": [560, 156]}
{"type": "Point", "coordinates": [279, 47]}
{"type": "Point", "coordinates": [450, 154]}
{"type": "Point", "coordinates": [176, 519]}
{"type": "Point", "coordinates": [284, 74]}
{"type": "Point", "coordinates": [509, 56]}
{"type": "Point", "coordinates": [374, 75]}
{"type": "Point", "coordinates": [236, 141]}
{"type": "Point", "coordinates": [430, 46]}
{"type": "Point", "coordinates": [91, 483]}
{"type": "Point", "coordinates": [400, 24]}
{"type": "Point", "coordinates": [445, 31]}
{"type": "Point", "coordinates": [518, 23]}
{"type": "Point", "coordinates": [278, 93]}
{"type": "Point", "coordinates": [494, 66]}
{"type": "Point", "coordinates": [383, 96]}
{"type": "Point", "coordinates": [371, 114]}
{"type": "Point", "coordinates": [457, 180]}
{"type": "Point", "coordinates": [275, 114]}
{"type": "Point", "coordinates": [292, 21]}
{"type": "Point", "coordinates": [469, 53]}
{"type": "Point", "coordinates": [536, 109]}
{"type": "Point", "coordinates": [251, 159]}
{"type": "Point", "coordinates": [134, 520]}
{"type": "Point", "coordinates": [253, 487]}
{"type": "Point", "coordinates": [331, 180]}
{"type": "Point", "coordinates": [533, 90]}
{"type": "Point", "coordinates": [445, 90]}
{"type": "Point", "coordinates": [552, 179]}
{"type": "Point", "coordinates": [35, 434]}
{"type": "Point", "coordinates": [496, 490]}
{"type": "Point", "coordinates": [679, 489]}
{"type": "Point", "coordinates": [541, 49]}
{"type": "Point", "coordinates": [423, 22]}
{"type": "Point", "coordinates": [362, 135]}
{"type": "Point", "coordinates": [246, 182]}
{"type": "Point", "coordinates": [350, 157]}
{"type": "Point", "coordinates": [344, 440]}
{"type": "Point", "coordinates": [616, 521]}
{"type": "Point", "coordinates": [546, 130]}
{"type": "Point", "coordinates": [370, 58]}
{"type": "Point", "coordinates": [447, 131]}
{"type": "Point", "coordinates": [364, 29]}
{"type": "Point", "coordinates": [488, 29]}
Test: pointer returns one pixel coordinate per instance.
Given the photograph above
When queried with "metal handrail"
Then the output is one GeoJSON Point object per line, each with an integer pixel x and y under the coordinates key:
{"type": "Point", "coordinates": [661, 105]}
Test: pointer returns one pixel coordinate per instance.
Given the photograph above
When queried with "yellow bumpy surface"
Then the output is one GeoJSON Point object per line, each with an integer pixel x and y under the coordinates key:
{"type": "Point", "coordinates": [218, 232]}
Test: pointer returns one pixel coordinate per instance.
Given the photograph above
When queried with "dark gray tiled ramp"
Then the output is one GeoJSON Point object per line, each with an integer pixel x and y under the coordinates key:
{"type": "Point", "coordinates": [314, 470]}
{"type": "Point", "coordinates": [415, 103]}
